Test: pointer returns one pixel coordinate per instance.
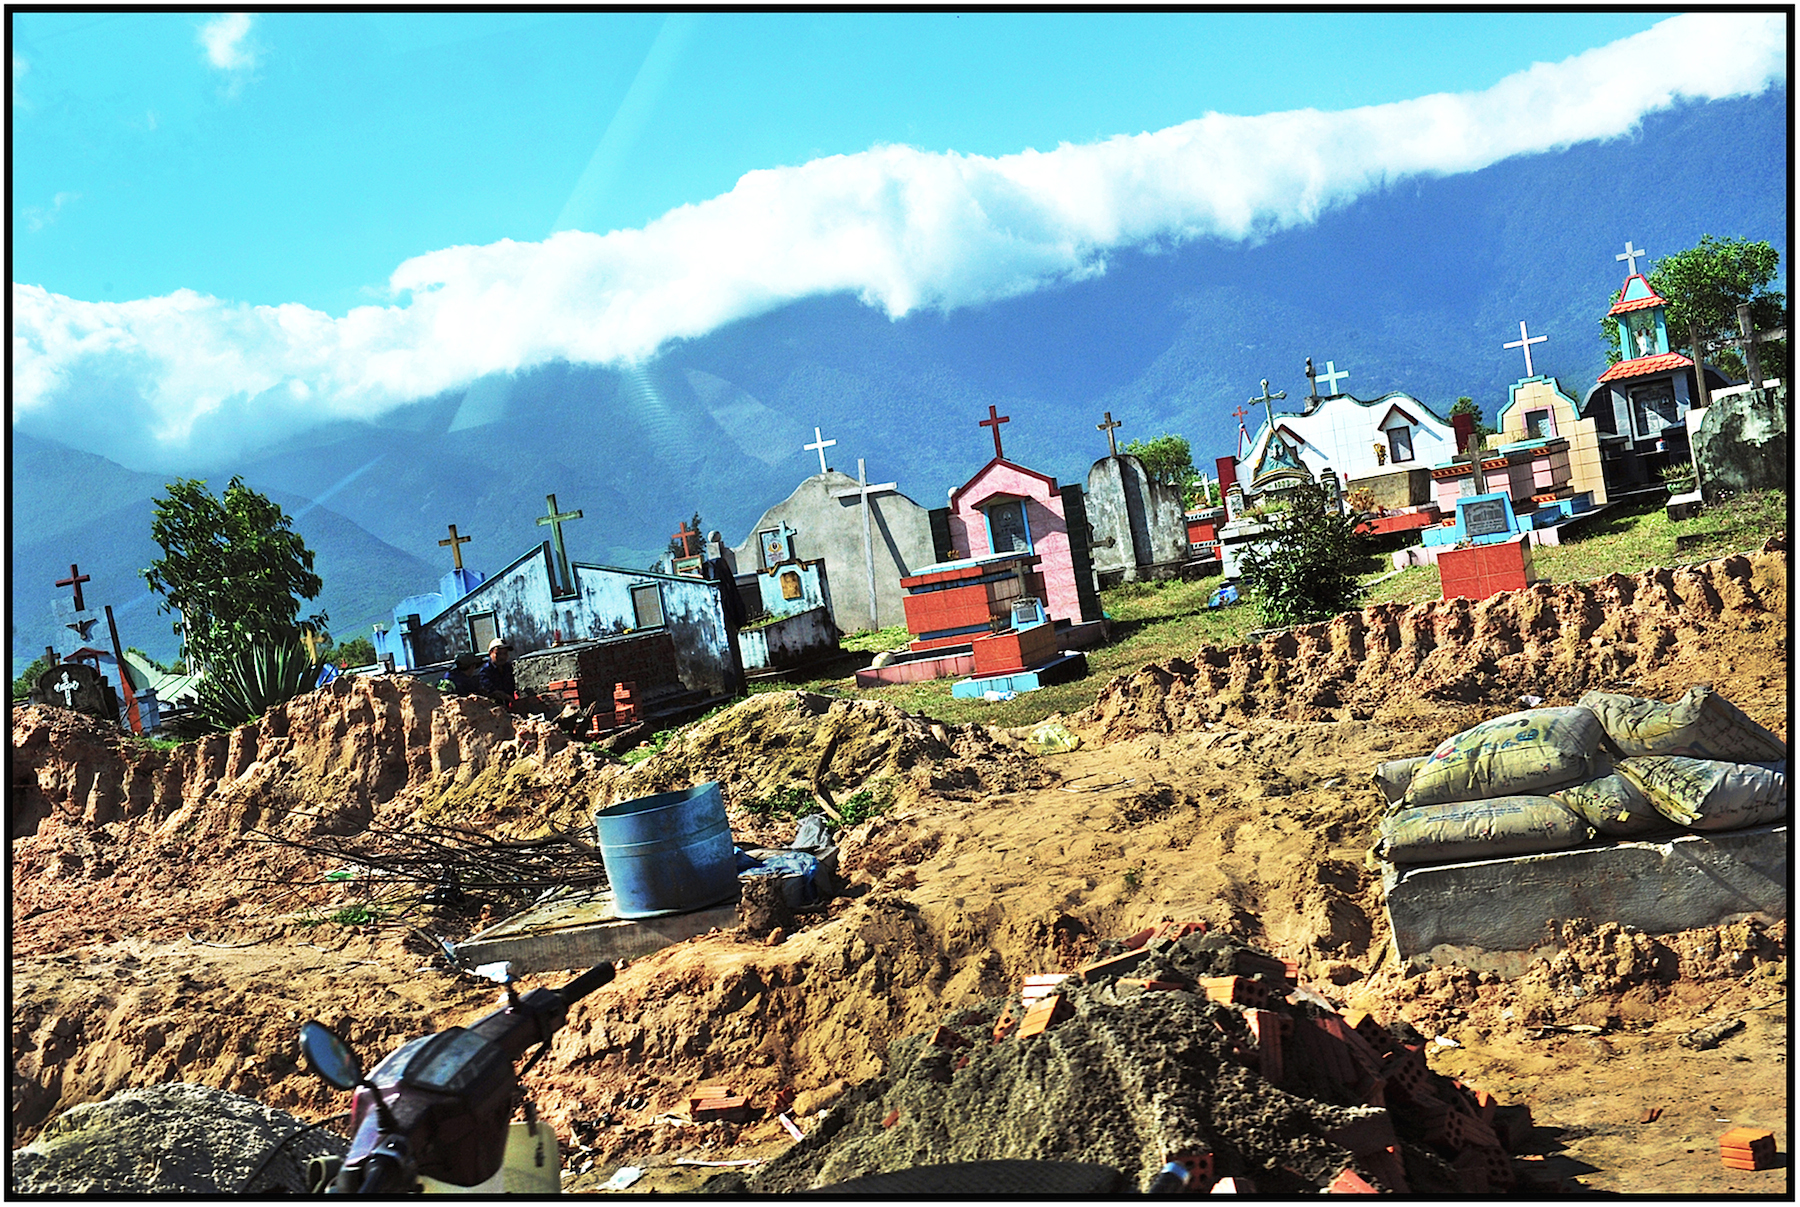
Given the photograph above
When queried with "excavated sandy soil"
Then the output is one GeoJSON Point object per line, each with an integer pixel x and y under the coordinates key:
{"type": "Point", "coordinates": [154, 939]}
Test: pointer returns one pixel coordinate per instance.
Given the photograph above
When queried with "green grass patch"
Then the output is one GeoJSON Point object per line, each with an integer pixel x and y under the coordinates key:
{"type": "Point", "coordinates": [874, 641]}
{"type": "Point", "coordinates": [654, 746]}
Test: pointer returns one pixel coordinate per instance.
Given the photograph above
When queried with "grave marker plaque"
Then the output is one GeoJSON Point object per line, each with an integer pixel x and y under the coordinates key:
{"type": "Point", "coordinates": [1486, 517]}
{"type": "Point", "coordinates": [79, 687]}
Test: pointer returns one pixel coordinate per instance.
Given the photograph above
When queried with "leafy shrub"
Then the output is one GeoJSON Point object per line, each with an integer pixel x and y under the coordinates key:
{"type": "Point", "coordinates": [871, 800]}
{"type": "Point", "coordinates": [1305, 570]}
{"type": "Point", "coordinates": [792, 801]}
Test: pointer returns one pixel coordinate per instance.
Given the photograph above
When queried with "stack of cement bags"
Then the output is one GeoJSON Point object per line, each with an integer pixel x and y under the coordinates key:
{"type": "Point", "coordinates": [1550, 778]}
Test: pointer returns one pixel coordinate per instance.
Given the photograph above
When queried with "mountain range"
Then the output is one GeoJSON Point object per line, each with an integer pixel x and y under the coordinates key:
{"type": "Point", "coordinates": [1413, 288]}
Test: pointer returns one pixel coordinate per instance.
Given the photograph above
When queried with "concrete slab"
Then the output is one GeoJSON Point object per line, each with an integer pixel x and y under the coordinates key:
{"type": "Point", "coordinates": [577, 929]}
{"type": "Point", "coordinates": [1063, 669]}
{"type": "Point", "coordinates": [1490, 914]}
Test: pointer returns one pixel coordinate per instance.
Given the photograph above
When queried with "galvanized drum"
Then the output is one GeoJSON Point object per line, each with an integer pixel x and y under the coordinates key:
{"type": "Point", "coordinates": [668, 854]}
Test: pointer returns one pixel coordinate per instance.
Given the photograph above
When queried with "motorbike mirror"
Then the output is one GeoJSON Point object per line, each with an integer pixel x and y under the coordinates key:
{"type": "Point", "coordinates": [329, 1056]}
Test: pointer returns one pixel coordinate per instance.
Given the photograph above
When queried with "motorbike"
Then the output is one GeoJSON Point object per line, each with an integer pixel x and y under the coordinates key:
{"type": "Point", "coordinates": [437, 1109]}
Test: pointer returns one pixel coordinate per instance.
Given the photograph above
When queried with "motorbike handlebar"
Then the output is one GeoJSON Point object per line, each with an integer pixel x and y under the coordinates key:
{"type": "Point", "coordinates": [586, 983]}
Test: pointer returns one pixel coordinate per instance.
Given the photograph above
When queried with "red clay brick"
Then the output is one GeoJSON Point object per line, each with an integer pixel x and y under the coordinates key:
{"type": "Point", "coordinates": [734, 1109]}
{"type": "Point", "coordinates": [1197, 1162]}
{"type": "Point", "coordinates": [1142, 937]}
{"type": "Point", "coordinates": [1112, 966]}
{"type": "Point", "coordinates": [893, 1117]}
{"type": "Point", "coordinates": [1369, 1133]}
{"type": "Point", "coordinates": [1234, 1186]}
{"type": "Point", "coordinates": [945, 1037]}
{"type": "Point", "coordinates": [1265, 1025]}
{"type": "Point", "coordinates": [1004, 1025]}
{"type": "Point", "coordinates": [1350, 1182]}
{"type": "Point", "coordinates": [1235, 990]}
{"type": "Point", "coordinates": [1044, 1015]}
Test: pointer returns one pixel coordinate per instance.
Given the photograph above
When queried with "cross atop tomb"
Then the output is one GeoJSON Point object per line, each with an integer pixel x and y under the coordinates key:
{"type": "Point", "coordinates": [819, 445]}
{"type": "Point", "coordinates": [778, 544]}
{"type": "Point", "coordinates": [1524, 341]}
{"type": "Point", "coordinates": [1331, 376]}
{"type": "Point", "coordinates": [311, 641]}
{"type": "Point", "coordinates": [68, 687]}
{"type": "Point", "coordinates": [1268, 398]}
{"type": "Point", "coordinates": [994, 420]}
{"type": "Point", "coordinates": [686, 537]}
{"type": "Point", "coordinates": [1110, 427]}
{"type": "Point", "coordinates": [1239, 415]}
{"type": "Point", "coordinates": [457, 542]}
{"type": "Point", "coordinates": [864, 488]}
{"type": "Point", "coordinates": [1749, 340]}
{"type": "Point", "coordinates": [75, 579]}
{"type": "Point", "coordinates": [1630, 256]}
{"type": "Point", "coordinates": [556, 520]}
{"type": "Point", "coordinates": [1312, 386]}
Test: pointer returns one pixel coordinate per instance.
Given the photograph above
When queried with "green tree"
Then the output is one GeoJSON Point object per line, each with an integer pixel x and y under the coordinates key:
{"type": "Point", "coordinates": [21, 687]}
{"type": "Point", "coordinates": [1306, 570]}
{"type": "Point", "coordinates": [358, 651]}
{"type": "Point", "coordinates": [1169, 459]}
{"type": "Point", "coordinates": [233, 568]}
{"type": "Point", "coordinates": [1703, 286]}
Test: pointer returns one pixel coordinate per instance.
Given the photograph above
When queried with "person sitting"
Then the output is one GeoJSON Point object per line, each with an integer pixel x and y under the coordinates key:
{"type": "Point", "coordinates": [496, 675]}
{"type": "Point", "coordinates": [464, 676]}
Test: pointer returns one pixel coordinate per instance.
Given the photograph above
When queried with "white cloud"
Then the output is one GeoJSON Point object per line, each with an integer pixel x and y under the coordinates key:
{"type": "Point", "coordinates": [37, 217]}
{"type": "Point", "coordinates": [899, 228]}
{"type": "Point", "coordinates": [226, 41]}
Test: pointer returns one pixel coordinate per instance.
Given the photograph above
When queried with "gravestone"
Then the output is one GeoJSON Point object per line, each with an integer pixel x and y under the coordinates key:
{"type": "Point", "coordinates": [77, 687]}
{"type": "Point", "coordinates": [1139, 525]}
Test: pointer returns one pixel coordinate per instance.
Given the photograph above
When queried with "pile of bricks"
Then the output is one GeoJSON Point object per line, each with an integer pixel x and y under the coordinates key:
{"type": "Point", "coordinates": [1297, 1043]}
{"type": "Point", "coordinates": [719, 1102]}
{"type": "Point", "coordinates": [1747, 1148]}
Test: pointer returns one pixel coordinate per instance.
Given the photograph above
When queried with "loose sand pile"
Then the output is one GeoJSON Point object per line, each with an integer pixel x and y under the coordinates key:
{"type": "Point", "coordinates": [1553, 640]}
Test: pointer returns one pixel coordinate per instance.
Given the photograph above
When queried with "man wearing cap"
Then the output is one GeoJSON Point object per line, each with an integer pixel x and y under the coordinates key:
{"type": "Point", "coordinates": [465, 675]}
{"type": "Point", "coordinates": [496, 676]}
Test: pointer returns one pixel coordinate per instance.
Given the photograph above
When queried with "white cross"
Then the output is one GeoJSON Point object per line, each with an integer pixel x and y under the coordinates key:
{"type": "Point", "coordinates": [68, 687]}
{"type": "Point", "coordinates": [1525, 342]}
{"type": "Point", "coordinates": [821, 445]}
{"type": "Point", "coordinates": [1630, 255]}
{"type": "Point", "coordinates": [1331, 376]}
{"type": "Point", "coordinates": [864, 489]}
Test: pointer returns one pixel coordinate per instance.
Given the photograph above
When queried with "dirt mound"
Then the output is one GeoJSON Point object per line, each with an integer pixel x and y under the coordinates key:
{"type": "Point", "coordinates": [1722, 622]}
{"type": "Point", "coordinates": [169, 1139]}
{"type": "Point", "coordinates": [788, 741]}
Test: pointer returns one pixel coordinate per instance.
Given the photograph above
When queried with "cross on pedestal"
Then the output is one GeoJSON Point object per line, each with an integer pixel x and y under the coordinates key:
{"type": "Point", "coordinates": [1312, 387]}
{"type": "Point", "coordinates": [820, 444]}
{"type": "Point", "coordinates": [1749, 340]}
{"type": "Point", "coordinates": [1331, 376]}
{"type": "Point", "coordinates": [75, 579]}
{"type": "Point", "coordinates": [1524, 341]}
{"type": "Point", "coordinates": [864, 488]}
{"type": "Point", "coordinates": [1266, 399]}
{"type": "Point", "coordinates": [457, 542]}
{"type": "Point", "coordinates": [1110, 427]}
{"type": "Point", "coordinates": [994, 420]}
{"type": "Point", "coordinates": [1630, 256]}
{"type": "Point", "coordinates": [1472, 457]}
{"type": "Point", "coordinates": [686, 537]}
{"type": "Point", "coordinates": [556, 519]}
{"type": "Point", "coordinates": [311, 641]}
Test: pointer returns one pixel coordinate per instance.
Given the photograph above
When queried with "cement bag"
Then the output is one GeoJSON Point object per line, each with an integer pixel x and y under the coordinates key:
{"type": "Point", "coordinates": [1393, 776]}
{"type": "Point", "coordinates": [1479, 829]}
{"type": "Point", "coordinates": [1700, 725]}
{"type": "Point", "coordinates": [1707, 794]}
{"type": "Point", "coordinates": [1615, 807]}
{"type": "Point", "coordinates": [1530, 751]}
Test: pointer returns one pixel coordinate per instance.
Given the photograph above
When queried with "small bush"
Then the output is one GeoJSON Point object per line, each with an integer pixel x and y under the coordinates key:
{"type": "Point", "coordinates": [791, 801]}
{"type": "Point", "coordinates": [871, 800]}
{"type": "Point", "coordinates": [1307, 569]}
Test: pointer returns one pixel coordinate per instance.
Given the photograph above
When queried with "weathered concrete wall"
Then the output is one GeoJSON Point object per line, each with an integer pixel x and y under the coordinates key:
{"type": "Point", "coordinates": [647, 659]}
{"type": "Point", "coordinates": [1512, 905]}
{"type": "Point", "coordinates": [1402, 488]}
{"type": "Point", "coordinates": [529, 616]}
{"type": "Point", "coordinates": [832, 529]}
{"type": "Point", "coordinates": [1137, 522]}
{"type": "Point", "coordinates": [1742, 443]}
{"type": "Point", "coordinates": [790, 641]}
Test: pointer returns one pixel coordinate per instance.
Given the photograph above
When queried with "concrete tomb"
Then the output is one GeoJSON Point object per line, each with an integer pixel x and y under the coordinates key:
{"type": "Point", "coordinates": [78, 687]}
{"type": "Point", "coordinates": [830, 519]}
{"type": "Point", "coordinates": [1138, 524]}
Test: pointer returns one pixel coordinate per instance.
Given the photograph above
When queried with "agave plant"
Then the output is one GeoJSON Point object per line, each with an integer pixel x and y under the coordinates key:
{"type": "Point", "coordinates": [242, 685]}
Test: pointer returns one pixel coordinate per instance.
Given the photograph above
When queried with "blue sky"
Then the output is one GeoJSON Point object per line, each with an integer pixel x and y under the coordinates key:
{"type": "Point", "coordinates": [292, 216]}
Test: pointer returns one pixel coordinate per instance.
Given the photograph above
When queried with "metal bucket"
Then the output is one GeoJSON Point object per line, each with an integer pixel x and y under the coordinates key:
{"type": "Point", "coordinates": [668, 854]}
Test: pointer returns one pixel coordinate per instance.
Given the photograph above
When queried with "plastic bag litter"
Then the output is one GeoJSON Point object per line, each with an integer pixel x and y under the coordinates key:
{"type": "Point", "coordinates": [1709, 794]}
{"type": "Point", "coordinates": [1051, 738]}
{"type": "Point", "coordinates": [1228, 594]}
{"type": "Point", "coordinates": [1480, 829]}
{"type": "Point", "coordinates": [1522, 752]}
{"type": "Point", "coordinates": [1701, 725]}
{"type": "Point", "coordinates": [1614, 806]}
{"type": "Point", "coordinates": [623, 1177]}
